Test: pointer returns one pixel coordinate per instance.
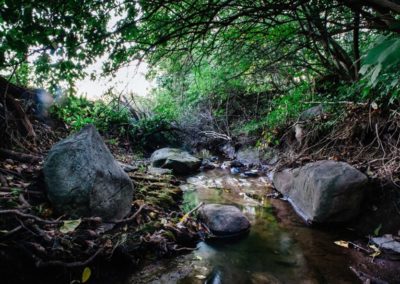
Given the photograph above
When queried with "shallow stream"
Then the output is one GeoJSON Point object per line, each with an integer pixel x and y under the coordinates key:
{"type": "Point", "coordinates": [280, 248]}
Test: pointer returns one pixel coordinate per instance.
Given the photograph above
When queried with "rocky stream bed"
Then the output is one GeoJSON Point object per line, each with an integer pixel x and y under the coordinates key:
{"type": "Point", "coordinates": [280, 248]}
{"type": "Point", "coordinates": [176, 218]}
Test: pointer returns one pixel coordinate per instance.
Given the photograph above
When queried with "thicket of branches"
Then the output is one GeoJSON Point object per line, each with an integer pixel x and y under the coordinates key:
{"type": "Point", "coordinates": [237, 58]}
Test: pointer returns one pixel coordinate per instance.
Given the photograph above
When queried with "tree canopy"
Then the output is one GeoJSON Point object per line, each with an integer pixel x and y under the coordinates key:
{"type": "Point", "coordinates": [213, 52]}
{"type": "Point", "coordinates": [315, 34]}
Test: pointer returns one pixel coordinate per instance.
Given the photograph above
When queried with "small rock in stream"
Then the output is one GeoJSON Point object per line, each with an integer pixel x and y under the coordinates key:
{"type": "Point", "coordinates": [158, 171]}
{"type": "Point", "coordinates": [208, 165]}
{"type": "Point", "coordinates": [236, 163]}
{"type": "Point", "coordinates": [224, 221]}
{"type": "Point", "coordinates": [388, 242]}
{"type": "Point", "coordinates": [179, 161]}
{"type": "Point", "coordinates": [235, 171]}
{"type": "Point", "coordinates": [251, 173]}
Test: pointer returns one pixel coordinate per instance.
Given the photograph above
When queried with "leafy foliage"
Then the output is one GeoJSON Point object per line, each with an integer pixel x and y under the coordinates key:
{"type": "Point", "coordinates": [79, 111]}
{"type": "Point", "coordinates": [380, 70]}
{"type": "Point", "coordinates": [382, 57]}
{"type": "Point", "coordinates": [281, 110]}
{"type": "Point", "coordinates": [245, 64]}
{"type": "Point", "coordinates": [113, 117]}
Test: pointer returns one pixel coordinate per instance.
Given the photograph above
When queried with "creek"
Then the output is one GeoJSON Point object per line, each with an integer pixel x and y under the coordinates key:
{"type": "Point", "coordinates": [280, 248]}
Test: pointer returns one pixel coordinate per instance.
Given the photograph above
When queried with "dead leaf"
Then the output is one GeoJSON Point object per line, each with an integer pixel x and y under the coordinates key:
{"type": "Point", "coordinates": [342, 244]}
{"type": "Point", "coordinates": [86, 274]}
{"type": "Point", "coordinates": [70, 226]}
{"type": "Point", "coordinates": [376, 250]}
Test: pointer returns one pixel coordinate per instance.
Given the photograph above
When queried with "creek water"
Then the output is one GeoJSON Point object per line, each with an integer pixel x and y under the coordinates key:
{"type": "Point", "coordinates": [280, 248]}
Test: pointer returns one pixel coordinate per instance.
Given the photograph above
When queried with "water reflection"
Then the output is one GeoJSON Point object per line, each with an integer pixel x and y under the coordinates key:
{"type": "Point", "coordinates": [271, 253]}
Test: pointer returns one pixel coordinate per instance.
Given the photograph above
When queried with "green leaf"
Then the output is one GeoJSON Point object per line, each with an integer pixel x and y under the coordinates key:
{"type": "Point", "coordinates": [375, 53]}
{"type": "Point", "coordinates": [375, 73]}
{"type": "Point", "coordinates": [70, 226]}
{"type": "Point", "coordinates": [377, 230]}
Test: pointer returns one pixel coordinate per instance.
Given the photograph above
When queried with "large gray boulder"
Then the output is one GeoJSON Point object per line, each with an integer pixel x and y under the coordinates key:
{"type": "Point", "coordinates": [248, 156]}
{"type": "Point", "coordinates": [311, 113]}
{"type": "Point", "coordinates": [323, 191]}
{"type": "Point", "coordinates": [84, 179]}
{"type": "Point", "coordinates": [224, 221]}
{"type": "Point", "coordinates": [179, 161]}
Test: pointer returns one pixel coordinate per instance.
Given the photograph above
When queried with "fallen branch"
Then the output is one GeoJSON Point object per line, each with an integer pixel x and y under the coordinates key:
{"type": "Point", "coordinates": [126, 220]}
{"type": "Point", "coordinates": [36, 218]}
{"type": "Point", "coordinates": [365, 278]}
{"type": "Point", "coordinates": [216, 135]}
{"type": "Point", "coordinates": [10, 232]}
{"type": "Point", "coordinates": [22, 157]}
{"type": "Point", "coordinates": [41, 263]}
{"type": "Point", "coordinates": [10, 189]}
{"type": "Point", "coordinates": [11, 173]}
{"type": "Point", "coordinates": [184, 218]}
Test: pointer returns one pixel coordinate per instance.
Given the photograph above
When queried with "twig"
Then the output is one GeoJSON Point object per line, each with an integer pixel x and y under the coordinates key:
{"type": "Point", "coordinates": [365, 278]}
{"type": "Point", "coordinates": [132, 217]}
{"type": "Point", "coordinates": [11, 172]}
{"type": "Point", "coordinates": [338, 102]}
{"type": "Point", "coordinates": [217, 135]}
{"type": "Point", "coordinates": [183, 219]}
{"type": "Point", "coordinates": [359, 247]}
{"type": "Point", "coordinates": [25, 203]}
{"type": "Point", "coordinates": [19, 213]}
{"type": "Point", "coordinates": [22, 157]}
{"type": "Point", "coordinates": [184, 249]}
{"type": "Point", "coordinates": [32, 192]}
{"type": "Point", "coordinates": [3, 180]}
{"type": "Point", "coordinates": [16, 229]}
{"type": "Point", "coordinates": [379, 140]}
{"type": "Point", "coordinates": [41, 263]}
{"type": "Point", "coordinates": [42, 233]}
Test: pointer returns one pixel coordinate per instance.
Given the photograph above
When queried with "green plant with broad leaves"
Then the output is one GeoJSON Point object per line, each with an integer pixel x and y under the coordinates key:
{"type": "Point", "coordinates": [76, 112]}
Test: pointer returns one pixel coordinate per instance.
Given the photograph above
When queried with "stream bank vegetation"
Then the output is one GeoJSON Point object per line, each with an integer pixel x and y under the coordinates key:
{"type": "Point", "coordinates": [227, 72]}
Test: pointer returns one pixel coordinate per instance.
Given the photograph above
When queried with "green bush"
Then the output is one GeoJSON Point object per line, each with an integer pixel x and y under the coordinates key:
{"type": "Point", "coordinates": [76, 112]}
{"type": "Point", "coordinates": [113, 118]}
{"type": "Point", "coordinates": [281, 110]}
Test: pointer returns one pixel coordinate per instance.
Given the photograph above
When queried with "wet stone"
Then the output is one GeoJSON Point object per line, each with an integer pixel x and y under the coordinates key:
{"type": "Point", "coordinates": [224, 221]}
{"type": "Point", "coordinates": [179, 161]}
